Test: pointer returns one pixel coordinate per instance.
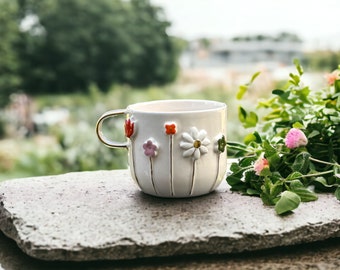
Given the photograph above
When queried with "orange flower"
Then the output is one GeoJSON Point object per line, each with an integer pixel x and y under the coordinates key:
{"type": "Point", "coordinates": [170, 128]}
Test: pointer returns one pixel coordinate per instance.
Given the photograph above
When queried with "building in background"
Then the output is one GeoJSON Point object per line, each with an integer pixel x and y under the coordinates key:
{"type": "Point", "coordinates": [219, 53]}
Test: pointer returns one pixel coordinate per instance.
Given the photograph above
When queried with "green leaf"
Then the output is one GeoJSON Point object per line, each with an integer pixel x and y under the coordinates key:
{"type": "Point", "coordinates": [298, 66]}
{"type": "Point", "coordinates": [268, 149]}
{"type": "Point", "coordinates": [252, 192]}
{"type": "Point", "coordinates": [282, 94]}
{"type": "Point", "coordinates": [337, 193]}
{"type": "Point", "coordinates": [338, 99]}
{"type": "Point", "coordinates": [278, 92]}
{"type": "Point", "coordinates": [235, 179]}
{"type": "Point", "coordinates": [296, 184]}
{"type": "Point", "coordinates": [265, 172]}
{"type": "Point", "coordinates": [236, 149]}
{"type": "Point", "coordinates": [298, 125]}
{"type": "Point", "coordinates": [323, 182]}
{"type": "Point", "coordinates": [234, 167]}
{"type": "Point", "coordinates": [242, 114]}
{"type": "Point", "coordinates": [295, 79]}
{"type": "Point", "coordinates": [249, 138]}
{"type": "Point", "coordinates": [258, 137]}
{"type": "Point", "coordinates": [266, 199]}
{"type": "Point", "coordinates": [276, 189]}
{"type": "Point", "coordinates": [252, 137]}
{"type": "Point", "coordinates": [255, 75]}
{"type": "Point", "coordinates": [305, 194]}
{"type": "Point", "coordinates": [294, 175]}
{"type": "Point", "coordinates": [313, 134]}
{"type": "Point", "coordinates": [241, 91]}
{"type": "Point", "coordinates": [274, 114]}
{"type": "Point", "coordinates": [287, 202]}
{"type": "Point", "coordinates": [247, 119]}
{"type": "Point", "coordinates": [244, 88]}
{"type": "Point", "coordinates": [337, 86]}
{"type": "Point", "coordinates": [247, 161]}
{"type": "Point", "coordinates": [251, 120]}
{"type": "Point", "coordinates": [271, 154]}
{"type": "Point", "coordinates": [301, 162]}
{"type": "Point", "coordinates": [270, 191]}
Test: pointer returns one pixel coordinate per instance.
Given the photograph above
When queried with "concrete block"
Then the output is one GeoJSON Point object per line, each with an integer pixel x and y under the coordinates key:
{"type": "Point", "coordinates": [102, 215]}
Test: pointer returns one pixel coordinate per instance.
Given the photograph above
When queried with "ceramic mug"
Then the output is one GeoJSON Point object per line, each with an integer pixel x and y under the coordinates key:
{"type": "Point", "coordinates": [177, 148]}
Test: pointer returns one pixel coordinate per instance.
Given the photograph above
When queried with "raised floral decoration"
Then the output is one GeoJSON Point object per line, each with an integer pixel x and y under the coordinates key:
{"type": "Point", "coordinates": [170, 128]}
{"type": "Point", "coordinates": [194, 143]}
{"type": "Point", "coordinates": [129, 127]}
{"type": "Point", "coordinates": [150, 148]}
{"type": "Point", "coordinates": [221, 144]}
{"type": "Point", "coordinates": [295, 152]}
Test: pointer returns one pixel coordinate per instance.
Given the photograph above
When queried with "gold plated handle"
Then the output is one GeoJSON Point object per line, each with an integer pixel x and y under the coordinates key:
{"type": "Point", "coordinates": [100, 134]}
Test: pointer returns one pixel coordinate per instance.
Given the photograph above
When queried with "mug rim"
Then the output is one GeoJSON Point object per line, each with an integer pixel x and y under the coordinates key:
{"type": "Point", "coordinates": [149, 106]}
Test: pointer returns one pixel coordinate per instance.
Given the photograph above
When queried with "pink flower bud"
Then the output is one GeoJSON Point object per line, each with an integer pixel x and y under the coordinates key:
{"type": "Point", "coordinates": [332, 77]}
{"type": "Point", "coordinates": [295, 138]}
{"type": "Point", "coordinates": [260, 164]}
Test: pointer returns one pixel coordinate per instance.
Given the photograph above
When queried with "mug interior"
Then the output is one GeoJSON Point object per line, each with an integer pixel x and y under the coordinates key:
{"type": "Point", "coordinates": [177, 106]}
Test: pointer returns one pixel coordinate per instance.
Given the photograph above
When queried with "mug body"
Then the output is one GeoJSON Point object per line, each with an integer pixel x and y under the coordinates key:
{"type": "Point", "coordinates": [177, 147]}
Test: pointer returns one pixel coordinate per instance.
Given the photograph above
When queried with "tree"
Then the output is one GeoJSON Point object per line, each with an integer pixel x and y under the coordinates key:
{"type": "Point", "coordinates": [9, 62]}
{"type": "Point", "coordinates": [79, 42]}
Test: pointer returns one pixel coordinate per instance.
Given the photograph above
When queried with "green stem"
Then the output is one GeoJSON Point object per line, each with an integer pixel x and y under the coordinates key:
{"type": "Point", "coordinates": [311, 175]}
{"type": "Point", "coordinates": [317, 174]}
{"type": "Point", "coordinates": [324, 162]}
{"type": "Point", "coordinates": [238, 148]}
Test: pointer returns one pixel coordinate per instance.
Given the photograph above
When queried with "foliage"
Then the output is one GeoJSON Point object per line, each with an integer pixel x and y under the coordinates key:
{"type": "Point", "coordinates": [73, 145]}
{"type": "Point", "coordinates": [67, 152]}
{"type": "Point", "coordinates": [64, 46]}
{"type": "Point", "coordinates": [295, 151]}
{"type": "Point", "coordinates": [321, 60]}
{"type": "Point", "coordinates": [9, 35]}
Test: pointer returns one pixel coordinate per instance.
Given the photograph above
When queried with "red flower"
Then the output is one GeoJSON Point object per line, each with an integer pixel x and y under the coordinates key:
{"type": "Point", "coordinates": [170, 129]}
{"type": "Point", "coordinates": [129, 127]}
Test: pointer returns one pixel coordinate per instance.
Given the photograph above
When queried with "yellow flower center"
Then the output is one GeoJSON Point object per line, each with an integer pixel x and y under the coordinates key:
{"type": "Point", "coordinates": [197, 144]}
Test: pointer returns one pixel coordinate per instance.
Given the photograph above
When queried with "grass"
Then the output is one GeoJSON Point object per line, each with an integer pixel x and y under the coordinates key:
{"type": "Point", "coordinates": [73, 146]}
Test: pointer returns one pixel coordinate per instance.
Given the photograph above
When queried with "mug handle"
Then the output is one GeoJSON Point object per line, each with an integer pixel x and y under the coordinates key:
{"type": "Point", "coordinates": [100, 134]}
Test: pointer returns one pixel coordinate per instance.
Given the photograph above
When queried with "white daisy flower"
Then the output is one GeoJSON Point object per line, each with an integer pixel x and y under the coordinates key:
{"type": "Point", "coordinates": [194, 143]}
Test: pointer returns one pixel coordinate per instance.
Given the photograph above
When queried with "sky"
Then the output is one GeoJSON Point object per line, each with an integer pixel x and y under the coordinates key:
{"type": "Point", "coordinates": [316, 22]}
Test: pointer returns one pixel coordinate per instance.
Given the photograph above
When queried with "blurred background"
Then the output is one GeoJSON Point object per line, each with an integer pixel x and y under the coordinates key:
{"type": "Point", "coordinates": [64, 63]}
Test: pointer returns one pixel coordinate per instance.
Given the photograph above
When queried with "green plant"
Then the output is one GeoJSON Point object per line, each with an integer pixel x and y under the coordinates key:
{"type": "Point", "coordinates": [294, 151]}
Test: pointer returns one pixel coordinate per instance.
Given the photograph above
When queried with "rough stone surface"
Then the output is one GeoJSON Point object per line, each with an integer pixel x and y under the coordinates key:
{"type": "Point", "coordinates": [102, 215]}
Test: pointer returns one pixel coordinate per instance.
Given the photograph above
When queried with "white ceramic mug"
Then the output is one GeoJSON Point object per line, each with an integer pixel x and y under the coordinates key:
{"type": "Point", "coordinates": [177, 148]}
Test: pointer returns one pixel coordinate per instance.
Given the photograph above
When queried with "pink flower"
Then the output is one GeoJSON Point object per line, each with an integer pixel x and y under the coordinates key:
{"type": "Point", "coordinates": [295, 138]}
{"type": "Point", "coordinates": [150, 148]}
{"type": "Point", "coordinates": [332, 77]}
{"type": "Point", "coordinates": [260, 164]}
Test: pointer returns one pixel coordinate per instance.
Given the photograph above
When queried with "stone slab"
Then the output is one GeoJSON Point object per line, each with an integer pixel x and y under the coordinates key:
{"type": "Point", "coordinates": [102, 215]}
